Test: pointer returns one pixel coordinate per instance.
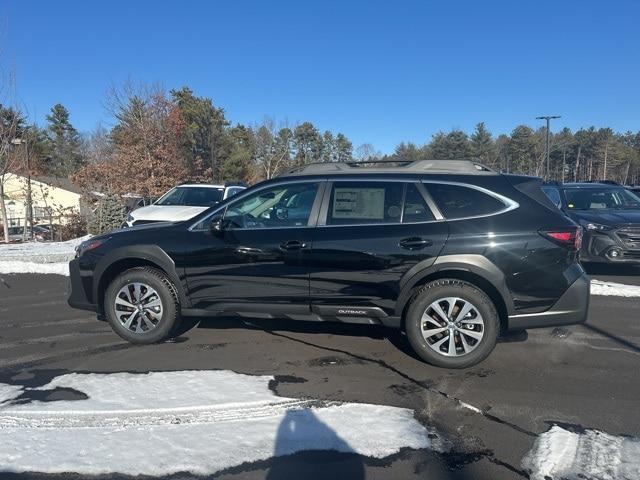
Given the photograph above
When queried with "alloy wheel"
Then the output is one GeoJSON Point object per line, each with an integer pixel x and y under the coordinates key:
{"type": "Point", "coordinates": [452, 326]}
{"type": "Point", "coordinates": [138, 307]}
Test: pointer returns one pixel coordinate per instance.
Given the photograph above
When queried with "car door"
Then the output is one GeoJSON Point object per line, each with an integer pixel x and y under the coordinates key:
{"type": "Point", "coordinates": [252, 255]}
{"type": "Point", "coordinates": [369, 235]}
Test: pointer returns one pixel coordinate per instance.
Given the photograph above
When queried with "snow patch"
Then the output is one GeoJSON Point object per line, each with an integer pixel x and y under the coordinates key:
{"type": "Point", "coordinates": [9, 392]}
{"type": "Point", "coordinates": [563, 454]}
{"type": "Point", "coordinates": [598, 287]}
{"type": "Point", "coordinates": [16, 266]}
{"type": "Point", "coordinates": [470, 407]}
{"type": "Point", "coordinates": [195, 421]}
{"type": "Point", "coordinates": [38, 257]}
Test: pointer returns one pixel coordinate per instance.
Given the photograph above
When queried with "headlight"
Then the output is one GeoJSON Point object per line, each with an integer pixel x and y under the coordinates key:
{"type": "Point", "coordinates": [596, 227]}
{"type": "Point", "coordinates": [89, 245]}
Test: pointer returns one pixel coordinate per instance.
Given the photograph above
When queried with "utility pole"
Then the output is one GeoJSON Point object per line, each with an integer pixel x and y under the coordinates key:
{"type": "Point", "coordinates": [547, 118]}
{"type": "Point", "coordinates": [28, 221]}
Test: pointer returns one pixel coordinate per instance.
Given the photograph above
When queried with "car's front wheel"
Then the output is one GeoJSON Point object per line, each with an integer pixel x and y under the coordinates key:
{"type": "Point", "coordinates": [142, 306]}
{"type": "Point", "coordinates": [452, 324]}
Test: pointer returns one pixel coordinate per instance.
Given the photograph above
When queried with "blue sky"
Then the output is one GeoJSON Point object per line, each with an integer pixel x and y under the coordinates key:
{"type": "Point", "coordinates": [381, 72]}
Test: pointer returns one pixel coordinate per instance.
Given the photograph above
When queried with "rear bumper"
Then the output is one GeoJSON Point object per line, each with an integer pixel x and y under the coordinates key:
{"type": "Point", "coordinates": [570, 309]}
{"type": "Point", "coordinates": [77, 295]}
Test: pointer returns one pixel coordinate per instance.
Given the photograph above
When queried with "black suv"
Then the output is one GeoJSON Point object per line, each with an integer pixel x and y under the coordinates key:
{"type": "Point", "coordinates": [610, 215]}
{"type": "Point", "coordinates": [449, 251]}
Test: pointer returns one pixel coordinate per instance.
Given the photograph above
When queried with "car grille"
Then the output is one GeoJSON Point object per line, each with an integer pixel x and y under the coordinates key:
{"type": "Point", "coordinates": [142, 222]}
{"type": "Point", "coordinates": [630, 236]}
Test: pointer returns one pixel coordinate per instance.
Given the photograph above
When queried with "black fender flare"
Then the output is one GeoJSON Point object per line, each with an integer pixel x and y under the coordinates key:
{"type": "Point", "coordinates": [149, 253]}
{"type": "Point", "coordinates": [477, 265]}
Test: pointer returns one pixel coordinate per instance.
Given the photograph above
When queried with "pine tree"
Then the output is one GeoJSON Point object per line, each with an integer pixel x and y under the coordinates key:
{"type": "Point", "coordinates": [343, 148]}
{"type": "Point", "coordinates": [63, 144]}
{"type": "Point", "coordinates": [109, 215]}
{"type": "Point", "coordinates": [328, 147]}
{"type": "Point", "coordinates": [482, 146]}
{"type": "Point", "coordinates": [308, 143]}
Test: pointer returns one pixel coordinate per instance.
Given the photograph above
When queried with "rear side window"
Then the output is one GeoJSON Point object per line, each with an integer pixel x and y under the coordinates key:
{"type": "Point", "coordinates": [457, 201]}
{"type": "Point", "coordinates": [415, 208]}
{"type": "Point", "coordinates": [554, 196]}
{"type": "Point", "coordinates": [365, 203]}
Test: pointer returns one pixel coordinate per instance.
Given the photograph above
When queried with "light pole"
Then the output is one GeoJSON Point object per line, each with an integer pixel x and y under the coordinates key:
{"type": "Point", "coordinates": [29, 212]}
{"type": "Point", "coordinates": [547, 118]}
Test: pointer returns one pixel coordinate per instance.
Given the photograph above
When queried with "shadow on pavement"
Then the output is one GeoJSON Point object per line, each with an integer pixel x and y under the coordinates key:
{"type": "Point", "coordinates": [607, 269]}
{"type": "Point", "coordinates": [613, 337]}
{"type": "Point", "coordinates": [301, 429]}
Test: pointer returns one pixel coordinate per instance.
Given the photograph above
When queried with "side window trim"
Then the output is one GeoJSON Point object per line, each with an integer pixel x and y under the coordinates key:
{"type": "Point", "coordinates": [404, 201]}
{"type": "Point", "coordinates": [435, 211]}
{"type": "Point", "coordinates": [317, 202]}
{"type": "Point", "coordinates": [508, 203]}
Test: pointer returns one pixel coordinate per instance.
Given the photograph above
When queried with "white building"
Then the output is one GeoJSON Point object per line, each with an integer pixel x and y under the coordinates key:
{"type": "Point", "coordinates": [53, 199]}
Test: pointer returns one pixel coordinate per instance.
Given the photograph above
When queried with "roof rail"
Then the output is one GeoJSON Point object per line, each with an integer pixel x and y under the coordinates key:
{"type": "Point", "coordinates": [389, 166]}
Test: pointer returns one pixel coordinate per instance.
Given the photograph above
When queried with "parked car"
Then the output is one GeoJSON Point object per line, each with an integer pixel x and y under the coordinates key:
{"type": "Point", "coordinates": [610, 216]}
{"type": "Point", "coordinates": [635, 189]}
{"type": "Point", "coordinates": [133, 202]}
{"type": "Point", "coordinates": [449, 251]}
{"type": "Point", "coordinates": [182, 203]}
{"type": "Point", "coordinates": [16, 234]}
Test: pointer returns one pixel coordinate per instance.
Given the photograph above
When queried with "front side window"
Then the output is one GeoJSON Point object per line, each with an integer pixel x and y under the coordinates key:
{"type": "Point", "coordinates": [357, 203]}
{"type": "Point", "coordinates": [281, 206]}
{"type": "Point", "coordinates": [458, 201]}
{"type": "Point", "coordinates": [192, 196]}
{"type": "Point", "coordinates": [601, 199]}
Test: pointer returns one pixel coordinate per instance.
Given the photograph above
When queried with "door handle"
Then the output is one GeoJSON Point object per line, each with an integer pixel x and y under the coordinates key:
{"type": "Point", "coordinates": [291, 245]}
{"type": "Point", "coordinates": [415, 243]}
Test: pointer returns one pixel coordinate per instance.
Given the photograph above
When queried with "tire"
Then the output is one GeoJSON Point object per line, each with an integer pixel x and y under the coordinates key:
{"type": "Point", "coordinates": [155, 319]}
{"type": "Point", "coordinates": [474, 333]}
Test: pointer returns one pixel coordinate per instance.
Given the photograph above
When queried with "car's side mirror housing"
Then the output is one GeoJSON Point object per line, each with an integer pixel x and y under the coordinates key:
{"type": "Point", "coordinates": [217, 226]}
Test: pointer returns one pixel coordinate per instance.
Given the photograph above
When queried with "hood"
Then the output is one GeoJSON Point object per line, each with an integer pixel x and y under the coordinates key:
{"type": "Point", "coordinates": [607, 217]}
{"type": "Point", "coordinates": [169, 213]}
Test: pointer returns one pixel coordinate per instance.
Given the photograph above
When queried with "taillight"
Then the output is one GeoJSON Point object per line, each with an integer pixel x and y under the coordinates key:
{"type": "Point", "coordinates": [570, 237]}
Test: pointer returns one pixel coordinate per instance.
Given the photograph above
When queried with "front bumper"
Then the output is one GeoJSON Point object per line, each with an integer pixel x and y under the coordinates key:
{"type": "Point", "coordinates": [78, 297]}
{"type": "Point", "coordinates": [600, 247]}
{"type": "Point", "coordinates": [571, 308]}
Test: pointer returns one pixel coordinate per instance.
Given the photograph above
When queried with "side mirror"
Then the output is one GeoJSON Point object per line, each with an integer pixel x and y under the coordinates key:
{"type": "Point", "coordinates": [217, 226]}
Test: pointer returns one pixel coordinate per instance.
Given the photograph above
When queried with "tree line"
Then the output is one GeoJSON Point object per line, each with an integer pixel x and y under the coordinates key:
{"type": "Point", "coordinates": [588, 154]}
{"type": "Point", "coordinates": [159, 138]}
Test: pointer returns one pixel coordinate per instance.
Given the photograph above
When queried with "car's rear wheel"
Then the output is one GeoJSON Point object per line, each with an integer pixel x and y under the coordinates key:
{"type": "Point", "coordinates": [142, 306]}
{"type": "Point", "coordinates": [451, 323]}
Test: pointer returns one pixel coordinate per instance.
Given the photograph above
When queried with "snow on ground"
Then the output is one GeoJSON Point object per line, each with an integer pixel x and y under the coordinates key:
{"type": "Point", "coordinates": [599, 287]}
{"type": "Point", "coordinates": [196, 421]}
{"type": "Point", "coordinates": [38, 257]}
{"type": "Point", "coordinates": [564, 454]}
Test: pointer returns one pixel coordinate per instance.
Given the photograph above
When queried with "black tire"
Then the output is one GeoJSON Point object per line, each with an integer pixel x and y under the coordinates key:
{"type": "Point", "coordinates": [445, 288]}
{"type": "Point", "coordinates": [166, 293]}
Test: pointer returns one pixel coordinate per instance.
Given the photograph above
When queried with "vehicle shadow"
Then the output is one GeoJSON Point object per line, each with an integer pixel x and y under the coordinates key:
{"type": "Point", "coordinates": [302, 430]}
{"type": "Point", "coordinates": [612, 337]}
{"type": "Point", "coordinates": [394, 336]}
{"type": "Point", "coordinates": [608, 269]}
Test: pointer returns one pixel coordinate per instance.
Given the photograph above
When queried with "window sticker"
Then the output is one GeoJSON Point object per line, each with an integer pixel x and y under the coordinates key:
{"type": "Point", "coordinates": [363, 203]}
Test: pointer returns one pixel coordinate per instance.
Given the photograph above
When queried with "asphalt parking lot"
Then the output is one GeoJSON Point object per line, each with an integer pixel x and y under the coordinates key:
{"type": "Point", "coordinates": [580, 377]}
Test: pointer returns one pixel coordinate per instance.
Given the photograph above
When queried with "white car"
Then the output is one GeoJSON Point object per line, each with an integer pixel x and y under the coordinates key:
{"type": "Point", "coordinates": [182, 203]}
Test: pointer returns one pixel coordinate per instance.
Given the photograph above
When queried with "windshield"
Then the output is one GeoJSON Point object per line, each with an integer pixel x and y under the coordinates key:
{"type": "Point", "coordinates": [601, 199]}
{"type": "Point", "coordinates": [192, 196]}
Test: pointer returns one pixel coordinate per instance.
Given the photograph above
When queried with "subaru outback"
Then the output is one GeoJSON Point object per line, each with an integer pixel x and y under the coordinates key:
{"type": "Point", "coordinates": [451, 252]}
